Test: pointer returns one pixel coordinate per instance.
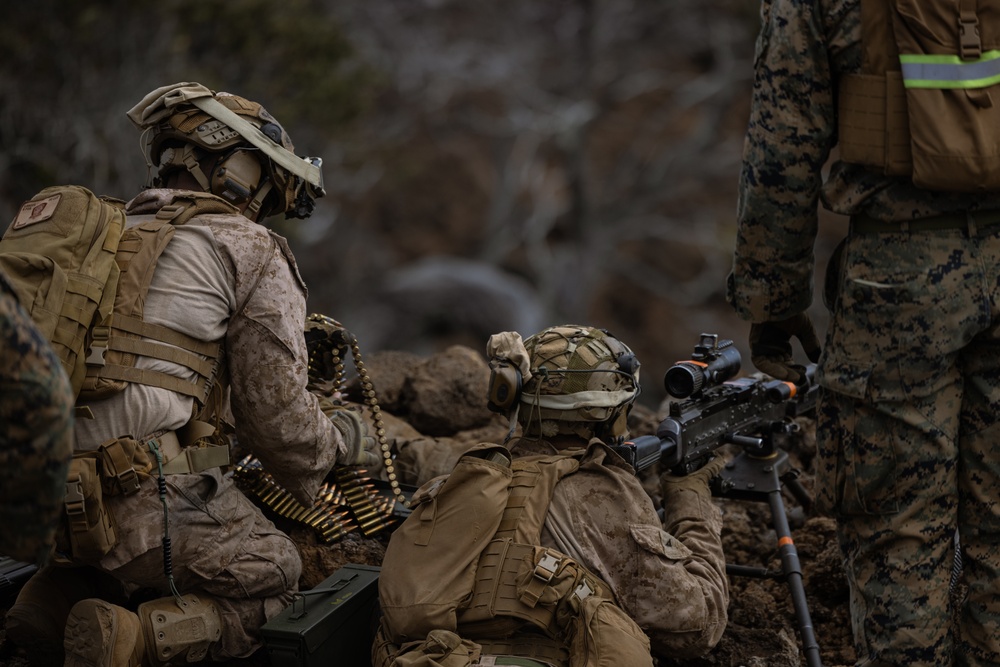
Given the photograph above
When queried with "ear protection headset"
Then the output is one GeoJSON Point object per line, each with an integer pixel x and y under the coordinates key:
{"type": "Point", "coordinates": [237, 176]}
{"type": "Point", "coordinates": [505, 386]}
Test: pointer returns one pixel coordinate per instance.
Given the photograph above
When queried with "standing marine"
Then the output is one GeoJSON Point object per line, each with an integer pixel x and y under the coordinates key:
{"type": "Point", "coordinates": [904, 97]}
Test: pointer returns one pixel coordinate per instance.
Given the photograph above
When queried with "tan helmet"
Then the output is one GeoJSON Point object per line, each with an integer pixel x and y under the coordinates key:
{"type": "Point", "coordinates": [249, 156]}
{"type": "Point", "coordinates": [581, 380]}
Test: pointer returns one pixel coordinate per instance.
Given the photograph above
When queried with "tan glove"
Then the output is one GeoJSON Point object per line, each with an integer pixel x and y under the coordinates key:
{"type": "Point", "coordinates": [362, 449]}
{"type": "Point", "coordinates": [771, 347]}
{"type": "Point", "coordinates": [697, 481]}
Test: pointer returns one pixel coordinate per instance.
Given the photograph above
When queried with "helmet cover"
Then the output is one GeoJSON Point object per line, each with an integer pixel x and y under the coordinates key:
{"type": "Point", "coordinates": [190, 114]}
{"type": "Point", "coordinates": [581, 377]}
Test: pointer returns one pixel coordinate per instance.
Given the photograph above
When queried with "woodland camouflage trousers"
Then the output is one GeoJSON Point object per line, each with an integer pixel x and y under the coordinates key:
{"type": "Point", "coordinates": [908, 443]}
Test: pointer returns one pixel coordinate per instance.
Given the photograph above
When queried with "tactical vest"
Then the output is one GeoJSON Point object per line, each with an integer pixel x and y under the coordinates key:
{"type": "Point", "coordinates": [465, 575]}
{"type": "Point", "coordinates": [118, 340]}
{"type": "Point", "coordinates": [923, 104]}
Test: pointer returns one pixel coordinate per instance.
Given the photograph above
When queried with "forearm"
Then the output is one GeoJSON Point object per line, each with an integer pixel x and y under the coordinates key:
{"type": "Point", "coordinates": [789, 135]}
{"type": "Point", "coordinates": [276, 416]}
{"type": "Point", "coordinates": [695, 594]}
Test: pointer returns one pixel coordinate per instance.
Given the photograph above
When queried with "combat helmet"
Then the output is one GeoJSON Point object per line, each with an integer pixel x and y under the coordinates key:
{"type": "Point", "coordinates": [248, 155]}
{"type": "Point", "coordinates": [567, 379]}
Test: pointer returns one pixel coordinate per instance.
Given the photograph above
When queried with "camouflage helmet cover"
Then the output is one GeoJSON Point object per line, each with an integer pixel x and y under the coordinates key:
{"type": "Point", "coordinates": [578, 374]}
{"type": "Point", "coordinates": [189, 113]}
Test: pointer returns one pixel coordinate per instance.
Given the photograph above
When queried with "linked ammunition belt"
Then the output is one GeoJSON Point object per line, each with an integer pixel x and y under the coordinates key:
{"type": "Point", "coordinates": [352, 501]}
{"type": "Point", "coordinates": [337, 349]}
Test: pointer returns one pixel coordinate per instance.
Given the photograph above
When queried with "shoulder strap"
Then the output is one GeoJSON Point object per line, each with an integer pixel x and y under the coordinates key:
{"type": "Point", "coordinates": [531, 488]}
{"type": "Point", "coordinates": [878, 42]}
{"type": "Point", "coordinates": [124, 335]}
{"type": "Point", "coordinates": [186, 205]}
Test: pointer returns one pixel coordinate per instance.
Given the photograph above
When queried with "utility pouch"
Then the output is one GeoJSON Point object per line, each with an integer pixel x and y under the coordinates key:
{"type": "Point", "coordinates": [924, 105]}
{"type": "Point", "coordinates": [91, 531]}
{"type": "Point", "coordinates": [441, 648]}
{"type": "Point", "coordinates": [602, 635]}
{"type": "Point", "coordinates": [120, 463]}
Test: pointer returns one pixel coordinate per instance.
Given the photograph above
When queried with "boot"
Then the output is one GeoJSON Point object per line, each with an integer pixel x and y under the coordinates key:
{"type": "Point", "coordinates": [37, 619]}
{"type": "Point", "coordinates": [166, 631]}
{"type": "Point", "coordinates": [101, 634]}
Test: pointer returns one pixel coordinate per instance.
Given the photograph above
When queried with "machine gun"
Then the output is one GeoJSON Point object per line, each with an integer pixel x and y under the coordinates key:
{"type": "Point", "coordinates": [718, 409]}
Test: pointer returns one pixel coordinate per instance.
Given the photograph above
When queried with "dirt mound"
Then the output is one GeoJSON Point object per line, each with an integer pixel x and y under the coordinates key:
{"type": "Point", "coordinates": [434, 407]}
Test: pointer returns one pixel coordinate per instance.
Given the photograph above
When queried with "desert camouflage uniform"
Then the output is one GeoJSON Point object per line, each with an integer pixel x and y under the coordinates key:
{"type": "Point", "coordinates": [670, 578]}
{"type": "Point", "coordinates": [908, 451]}
{"type": "Point", "coordinates": [36, 435]}
{"type": "Point", "coordinates": [222, 545]}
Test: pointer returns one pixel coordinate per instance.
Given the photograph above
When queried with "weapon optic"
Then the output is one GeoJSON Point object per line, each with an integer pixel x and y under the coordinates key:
{"type": "Point", "coordinates": [718, 410]}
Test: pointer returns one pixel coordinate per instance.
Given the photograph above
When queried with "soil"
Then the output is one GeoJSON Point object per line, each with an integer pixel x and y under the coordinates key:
{"type": "Point", "coordinates": [763, 630]}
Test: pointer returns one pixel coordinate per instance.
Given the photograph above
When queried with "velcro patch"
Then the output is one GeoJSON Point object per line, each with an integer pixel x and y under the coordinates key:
{"type": "Point", "coordinates": [36, 211]}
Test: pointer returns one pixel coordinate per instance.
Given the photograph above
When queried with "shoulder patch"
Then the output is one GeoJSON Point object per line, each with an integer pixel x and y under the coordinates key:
{"type": "Point", "coordinates": [36, 211]}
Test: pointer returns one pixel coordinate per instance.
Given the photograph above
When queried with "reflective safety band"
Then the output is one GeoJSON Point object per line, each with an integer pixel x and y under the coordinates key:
{"type": "Point", "coordinates": [941, 71]}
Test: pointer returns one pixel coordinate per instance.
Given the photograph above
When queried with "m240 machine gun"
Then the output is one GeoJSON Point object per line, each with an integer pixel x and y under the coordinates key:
{"type": "Point", "coordinates": [715, 409]}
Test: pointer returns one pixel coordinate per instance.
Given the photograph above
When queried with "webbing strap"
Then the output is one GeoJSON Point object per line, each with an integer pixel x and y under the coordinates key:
{"type": "Point", "coordinates": [69, 334]}
{"type": "Point", "coordinates": [74, 502]}
{"type": "Point", "coordinates": [118, 465]}
{"type": "Point", "coordinates": [76, 309]}
{"type": "Point", "coordinates": [862, 223]}
{"type": "Point", "coordinates": [970, 42]}
{"type": "Point", "coordinates": [304, 169]}
{"type": "Point", "coordinates": [508, 660]}
{"type": "Point", "coordinates": [147, 348]}
{"type": "Point", "coordinates": [187, 460]}
{"type": "Point", "coordinates": [85, 288]}
{"type": "Point", "coordinates": [153, 378]}
{"type": "Point", "coordinates": [198, 459]}
{"type": "Point", "coordinates": [163, 334]}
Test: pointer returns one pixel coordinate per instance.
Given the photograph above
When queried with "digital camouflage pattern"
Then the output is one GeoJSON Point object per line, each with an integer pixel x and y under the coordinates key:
{"type": "Point", "coordinates": [36, 435]}
{"type": "Point", "coordinates": [801, 49]}
{"type": "Point", "coordinates": [907, 443]}
{"type": "Point", "coordinates": [911, 366]}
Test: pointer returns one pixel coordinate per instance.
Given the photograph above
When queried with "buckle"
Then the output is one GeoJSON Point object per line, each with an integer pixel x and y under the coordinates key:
{"type": "Point", "coordinates": [583, 591]}
{"type": "Point", "coordinates": [128, 481]}
{"type": "Point", "coordinates": [76, 508]}
{"type": "Point", "coordinates": [116, 465]}
{"type": "Point", "coordinates": [98, 346]}
{"type": "Point", "coordinates": [547, 566]}
{"type": "Point", "coordinates": [970, 44]}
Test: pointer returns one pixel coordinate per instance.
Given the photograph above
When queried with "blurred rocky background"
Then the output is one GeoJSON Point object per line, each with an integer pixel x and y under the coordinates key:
{"type": "Point", "coordinates": [489, 165]}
